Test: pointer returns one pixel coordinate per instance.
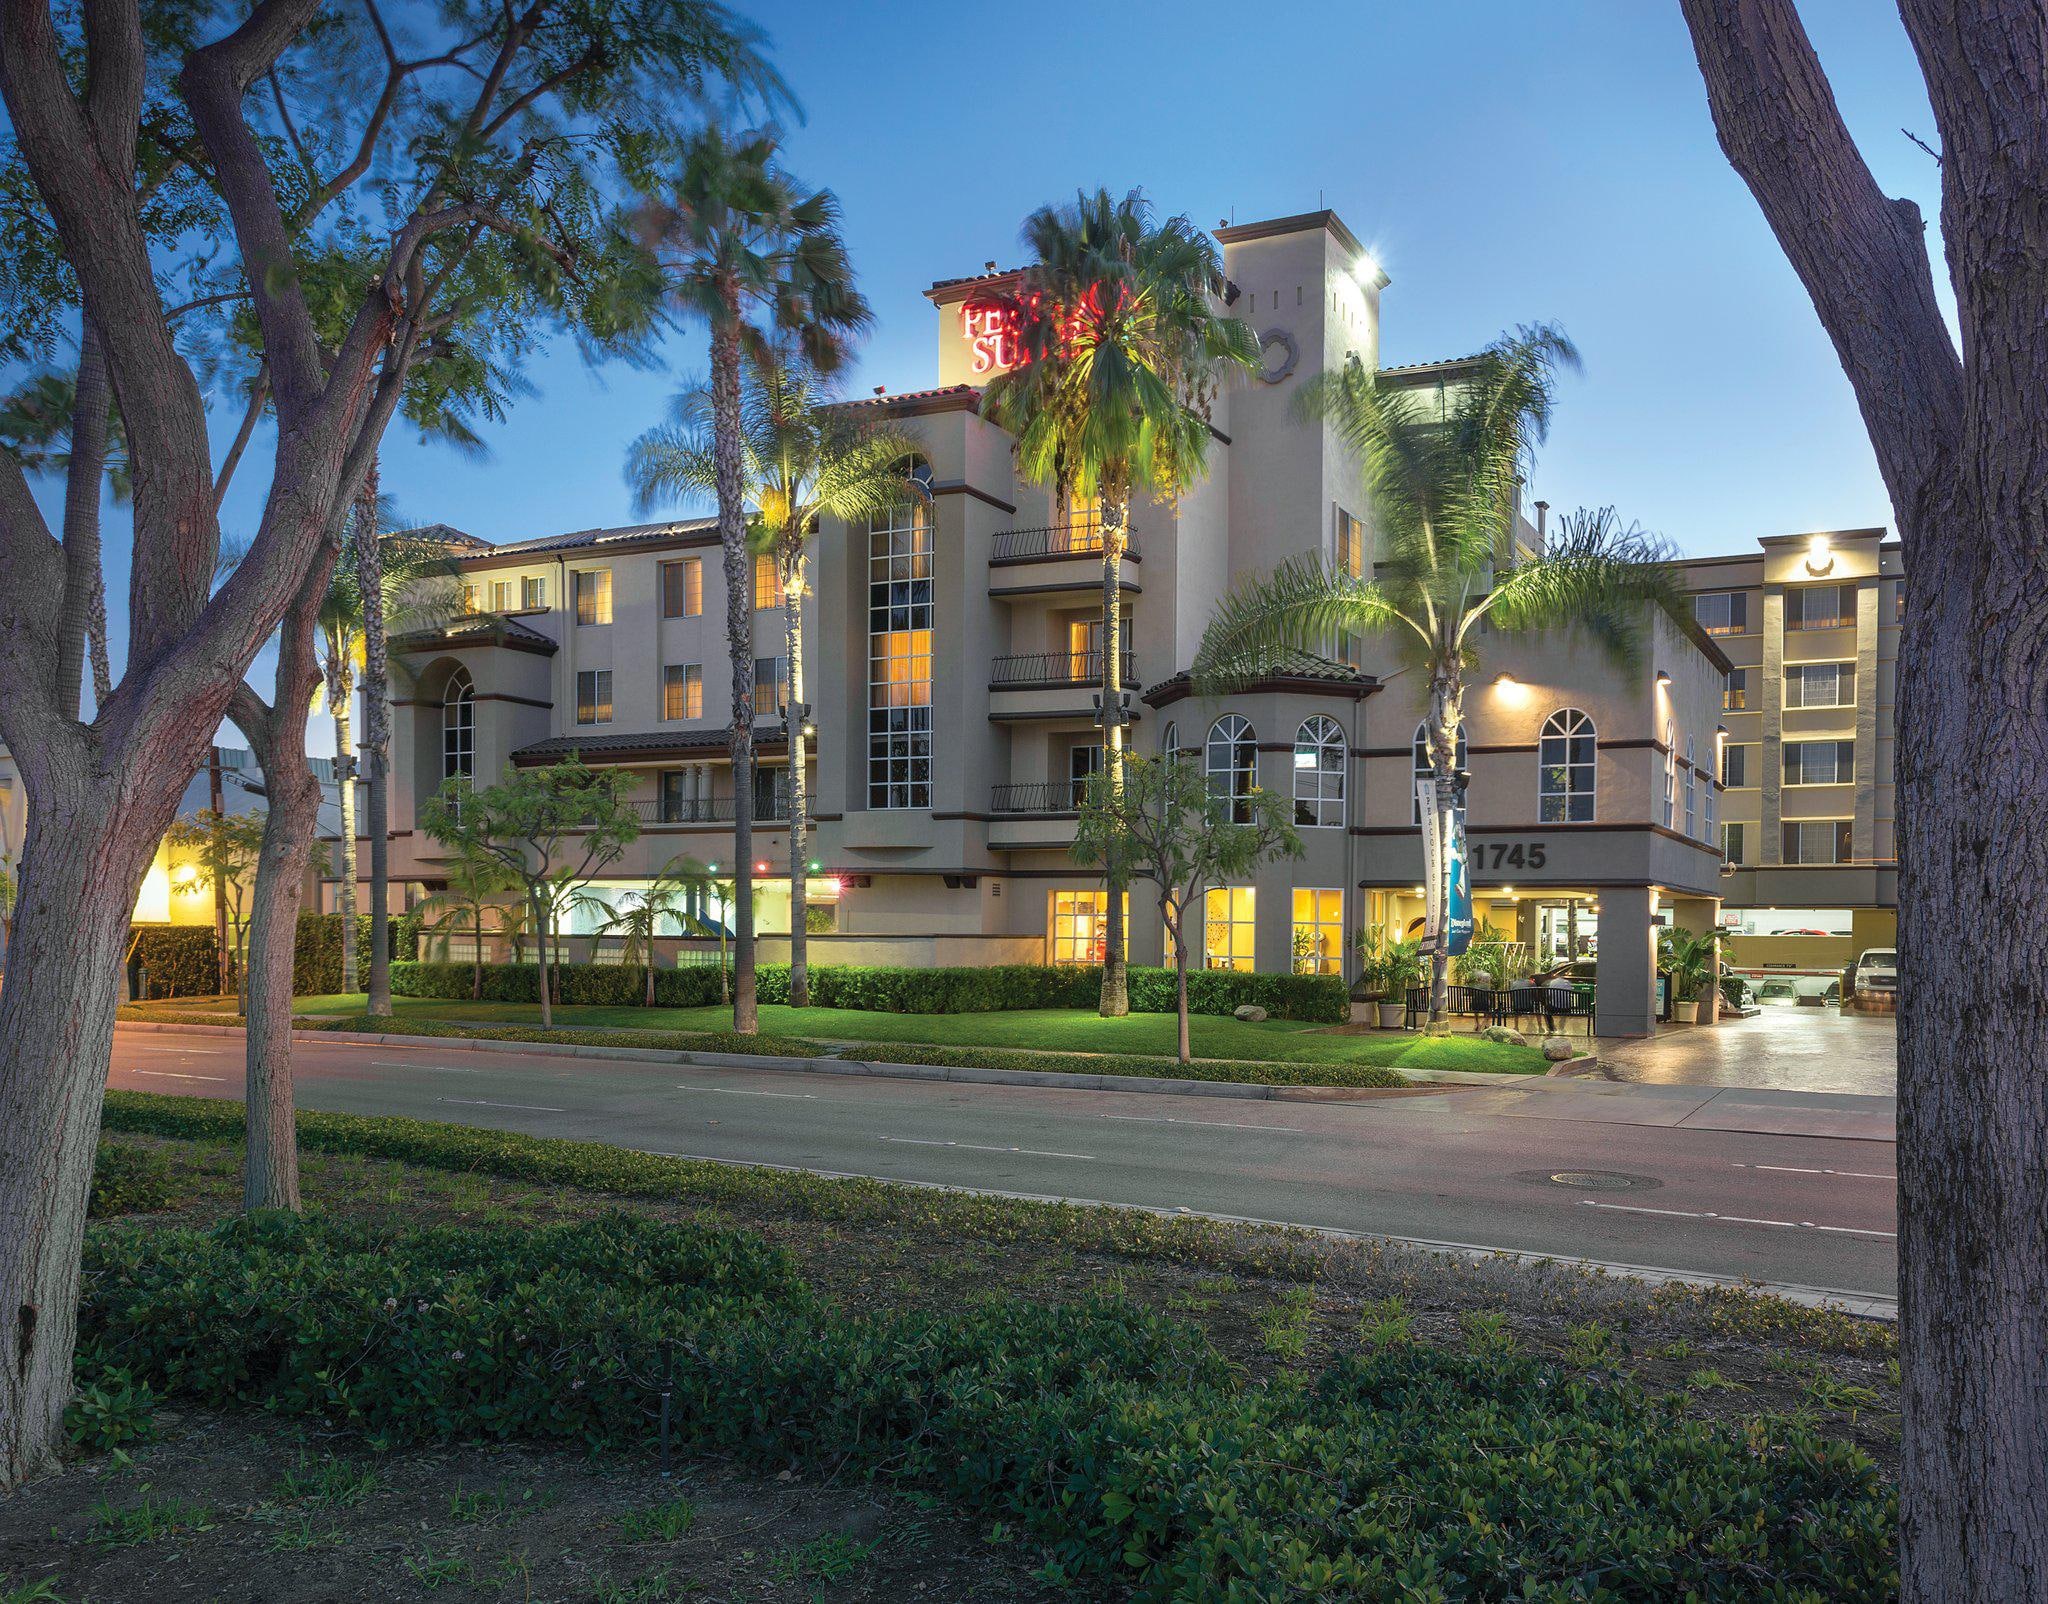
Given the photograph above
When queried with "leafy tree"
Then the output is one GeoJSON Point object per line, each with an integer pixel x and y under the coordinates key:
{"type": "Point", "coordinates": [758, 258]}
{"type": "Point", "coordinates": [664, 900]}
{"type": "Point", "coordinates": [546, 828]}
{"type": "Point", "coordinates": [209, 849]}
{"type": "Point", "coordinates": [476, 885]}
{"type": "Point", "coordinates": [1123, 347]}
{"type": "Point", "coordinates": [1957, 423]}
{"type": "Point", "coordinates": [349, 188]}
{"type": "Point", "coordinates": [1441, 481]}
{"type": "Point", "coordinates": [804, 458]}
{"type": "Point", "coordinates": [1164, 824]}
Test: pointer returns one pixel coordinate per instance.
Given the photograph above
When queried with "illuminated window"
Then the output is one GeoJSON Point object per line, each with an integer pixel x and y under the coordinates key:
{"type": "Point", "coordinates": [1350, 545]}
{"type": "Point", "coordinates": [682, 691]}
{"type": "Point", "coordinates": [471, 598]}
{"type": "Point", "coordinates": [1080, 925]}
{"type": "Point", "coordinates": [1425, 767]}
{"type": "Point", "coordinates": [534, 593]}
{"type": "Point", "coordinates": [1318, 932]}
{"type": "Point", "coordinates": [501, 595]}
{"type": "Point", "coordinates": [1566, 763]}
{"type": "Point", "coordinates": [458, 727]}
{"type": "Point", "coordinates": [1319, 759]}
{"type": "Point", "coordinates": [594, 696]}
{"type": "Point", "coordinates": [682, 588]}
{"type": "Point", "coordinates": [771, 686]}
{"type": "Point", "coordinates": [1722, 612]}
{"type": "Point", "coordinates": [1820, 685]}
{"type": "Point", "coordinates": [768, 590]}
{"type": "Point", "coordinates": [900, 617]}
{"type": "Point", "coordinates": [1820, 607]}
{"type": "Point", "coordinates": [1233, 759]}
{"type": "Point", "coordinates": [1083, 764]}
{"type": "Point", "coordinates": [1735, 690]}
{"type": "Point", "coordinates": [1227, 921]}
{"type": "Point", "coordinates": [594, 596]}
{"type": "Point", "coordinates": [1082, 532]}
{"type": "Point", "coordinates": [1817, 841]}
{"type": "Point", "coordinates": [1670, 775]}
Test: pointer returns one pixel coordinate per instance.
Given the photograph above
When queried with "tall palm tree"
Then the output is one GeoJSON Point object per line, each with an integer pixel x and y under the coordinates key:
{"type": "Point", "coordinates": [1441, 478]}
{"type": "Point", "coordinates": [1125, 343]}
{"type": "Point", "coordinates": [744, 246]}
{"type": "Point", "coordinates": [804, 458]}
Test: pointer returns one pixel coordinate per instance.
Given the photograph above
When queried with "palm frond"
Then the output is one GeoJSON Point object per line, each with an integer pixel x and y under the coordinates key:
{"type": "Point", "coordinates": [1299, 607]}
{"type": "Point", "coordinates": [1598, 578]}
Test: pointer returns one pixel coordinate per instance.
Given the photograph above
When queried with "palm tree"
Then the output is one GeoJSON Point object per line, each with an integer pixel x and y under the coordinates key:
{"type": "Point", "coordinates": [664, 900]}
{"type": "Point", "coordinates": [475, 887]}
{"type": "Point", "coordinates": [1441, 478]}
{"type": "Point", "coordinates": [804, 458]}
{"type": "Point", "coordinates": [1124, 342]}
{"type": "Point", "coordinates": [760, 259]}
{"type": "Point", "coordinates": [414, 587]}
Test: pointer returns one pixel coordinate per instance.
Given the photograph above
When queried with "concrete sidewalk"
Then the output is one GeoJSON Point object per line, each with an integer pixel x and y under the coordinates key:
{"type": "Point", "coordinates": [1843, 1115]}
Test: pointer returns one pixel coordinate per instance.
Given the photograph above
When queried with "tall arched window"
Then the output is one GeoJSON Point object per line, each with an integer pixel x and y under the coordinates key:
{"type": "Point", "coordinates": [458, 727]}
{"type": "Point", "coordinates": [1425, 769]}
{"type": "Point", "coordinates": [1169, 740]}
{"type": "Point", "coordinates": [1565, 768]}
{"type": "Point", "coordinates": [1319, 759]}
{"type": "Point", "coordinates": [1670, 775]}
{"type": "Point", "coordinates": [1691, 820]}
{"type": "Point", "coordinates": [1233, 758]}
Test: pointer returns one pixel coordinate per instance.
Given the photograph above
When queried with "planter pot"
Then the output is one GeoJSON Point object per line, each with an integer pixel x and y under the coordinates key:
{"type": "Point", "coordinates": [1687, 1011]}
{"type": "Point", "coordinates": [1393, 1015]}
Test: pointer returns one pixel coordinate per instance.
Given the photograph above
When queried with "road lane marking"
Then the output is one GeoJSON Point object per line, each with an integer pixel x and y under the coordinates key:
{"type": "Point", "coordinates": [485, 1102]}
{"type": "Point", "coordinates": [982, 1147]}
{"type": "Point", "coordinates": [1736, 1219]}
{"type": "Point", "coordinates": [1220, 1124]}
{"type": "Point", "coordinates": [741, 1091]}
{"type": "Point", "coordinates": [191, 1052]}
{"type": "Point", "coordinates": [394, 1063]}
{"type": "Point", "coordinates": [1802, 1169]}
{"type": "Point", "coordinates": [172, 1074]}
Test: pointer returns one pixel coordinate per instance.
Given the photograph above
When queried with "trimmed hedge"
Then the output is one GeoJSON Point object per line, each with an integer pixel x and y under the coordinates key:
{"type": "Point", "coordinates": [181, 959]}
{"type": "Point", "coordinates": [1118, 1438]}
{"type": "Point", "coordinates": [1315, 999]}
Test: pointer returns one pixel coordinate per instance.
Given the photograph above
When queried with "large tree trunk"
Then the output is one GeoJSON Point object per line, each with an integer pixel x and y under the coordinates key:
{"type": "Point", "coordinates": [1116, 996]}
{"type": "Point", "coordinates": [739, 634]}
{"type": "Point", "coordinates": [345, 773]}
{"type": "Point", "coordinates": [799, 844]}
{"type": "Point", "coordinates": [1962, 442]}
{"type": "Point", "coordinates": [377, 740]}
{"type": "Point", "coordinates": [84, 858]}
{"type": "Point", "coordinates": [84, 590]}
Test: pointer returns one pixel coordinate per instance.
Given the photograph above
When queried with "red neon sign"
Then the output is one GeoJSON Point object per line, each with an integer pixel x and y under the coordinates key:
{"type": "Point", "coordinates": [995, 339]}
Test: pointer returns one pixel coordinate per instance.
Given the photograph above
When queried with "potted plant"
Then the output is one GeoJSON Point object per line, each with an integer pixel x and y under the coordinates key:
{"type": "Point", "coordinates": [1690, 960]}
{"type": "Point", "coordinates": [1394, 966]}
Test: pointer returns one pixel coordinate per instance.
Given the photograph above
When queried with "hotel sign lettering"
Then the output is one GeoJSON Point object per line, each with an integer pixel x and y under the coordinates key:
{"type": "Point", "coordinates": [994, 330]}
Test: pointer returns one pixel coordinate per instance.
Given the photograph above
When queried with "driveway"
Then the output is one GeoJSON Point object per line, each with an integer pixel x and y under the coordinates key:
{"type": "Point", "coordinates": [1783, 1048]}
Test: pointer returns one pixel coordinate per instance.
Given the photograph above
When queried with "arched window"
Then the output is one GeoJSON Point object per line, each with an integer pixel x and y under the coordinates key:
{"type": "Point", "coordinates": [458, 727]}
{"type": "Point", "coordinates": [1425, 769]}
{"type": "Point", "coordinates": [1565, 765]}
{"type": "Point", "coordinates": [1710, 824]}
{"type": "Point", "coordinates": [1670, 775]}
{"type": "Point", "coordinates": [1169, 740]}
{"type": "Point", "coordinates": [1233, 757]}
{"type": "Point", "coordinates": [1319, 759]}
{"type": "Point", "coordinates": [1691, 820]}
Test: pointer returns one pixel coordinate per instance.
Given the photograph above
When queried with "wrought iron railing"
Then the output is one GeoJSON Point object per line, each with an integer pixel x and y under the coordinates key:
{"type": "Point", "coordinates": [1037, 796]}
{"type": "Point", "coordinates": [1080, 538]}
{"type": "Point", "coordinates": [1054, 668]}
{"type": "Point", "coordinates": [705, 809]}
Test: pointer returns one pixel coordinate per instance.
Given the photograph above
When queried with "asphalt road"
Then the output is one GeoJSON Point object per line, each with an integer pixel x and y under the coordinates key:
{"type": "Point", "coordinates": [1462, 1165]}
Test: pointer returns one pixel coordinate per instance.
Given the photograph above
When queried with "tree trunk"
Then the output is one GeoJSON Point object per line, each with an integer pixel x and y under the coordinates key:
{"type": "Point", "coordinates": [799, 845]}
{"type": "Point", "coordinates": [739, 633]}
{"type": "Point", "coordinates": [1116, 997]}
{"type": "Point", "coordinates": [476, 959]}
{"type": "Point", "coordinates": [377, 739]}
{"type": "Point", "coordinates": [1183, 1047]}
{"type": "Point", "coordinates": [1445, 715]}
{"type": "Point", "coordinates": [345, 772]}
{"type": "Point", "coordinates": [540, 952]}
{"type": "Point", "coordinates": [81, 866]}
{"type": "Point", "coordinates": [84, 591]}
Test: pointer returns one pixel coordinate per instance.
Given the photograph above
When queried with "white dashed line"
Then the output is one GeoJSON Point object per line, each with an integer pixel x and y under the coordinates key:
{"type": "Point", "coordinates": [484, 1102]}
{"type": "Point", "coordinates": [172, 1074]}
{"type": "Point", "coordinates": [1219, 1124]}
{"type": "Point", "coordinates": [1737, 1219]}
{"type": "Point", "coordinates": [1801, 1169]}
{"type": "Point", "coordinates": [182, 1052]}
{"type": "Point", "coordinates": [393, 1063]}
{"type": "Point", "coordinates": [741, 1091]}
{"type": "Point", "coordinates": [978, 1147]}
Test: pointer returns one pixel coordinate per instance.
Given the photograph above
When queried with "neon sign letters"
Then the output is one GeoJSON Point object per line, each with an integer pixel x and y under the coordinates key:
{"type": "Point", "coordinates": [994, 333]}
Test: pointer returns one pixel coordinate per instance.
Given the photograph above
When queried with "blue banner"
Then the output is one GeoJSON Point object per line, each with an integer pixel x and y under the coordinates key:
{"type": "Point", "coordinates": [1458, 926]}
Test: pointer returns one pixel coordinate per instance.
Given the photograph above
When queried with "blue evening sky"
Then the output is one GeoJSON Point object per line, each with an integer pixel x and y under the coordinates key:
{"type": "Point", "coordinates": [1507, 160]}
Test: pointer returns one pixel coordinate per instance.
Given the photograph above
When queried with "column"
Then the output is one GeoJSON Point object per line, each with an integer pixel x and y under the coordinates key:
{"type": "Point", "coordinates": [1625, 1003]}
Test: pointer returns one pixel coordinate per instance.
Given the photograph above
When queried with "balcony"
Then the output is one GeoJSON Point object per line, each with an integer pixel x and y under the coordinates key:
{"type": "Point", "coordinates": [1081, 538]}
{"type": "Point", "coordinates": [1048, 561]}
{"type": "Point", "coordinates": [705, 810]}
{"type": "Point", "coordinates": [1033, 670]}
{"type": "Point", "coordinates": [1036, 797]}
{"type": "Point", "coordinates": [1037, 815]}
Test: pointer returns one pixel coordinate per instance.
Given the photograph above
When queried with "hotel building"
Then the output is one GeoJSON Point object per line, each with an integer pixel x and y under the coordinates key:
{"type": "Point", "coordinates": [953, 658]}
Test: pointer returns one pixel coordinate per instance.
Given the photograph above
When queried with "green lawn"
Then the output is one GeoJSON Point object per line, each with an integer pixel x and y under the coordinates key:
{"type": "Point", "coordinates": [1039, 1029]}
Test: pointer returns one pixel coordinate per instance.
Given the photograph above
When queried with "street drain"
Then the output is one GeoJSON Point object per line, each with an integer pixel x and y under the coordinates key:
{"type": "Point", "coordinates": [1595, 1180]}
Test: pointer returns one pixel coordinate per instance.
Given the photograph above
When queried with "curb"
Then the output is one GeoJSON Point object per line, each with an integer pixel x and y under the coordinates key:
{"type": "Point", "coordinates": [1256, 1091]}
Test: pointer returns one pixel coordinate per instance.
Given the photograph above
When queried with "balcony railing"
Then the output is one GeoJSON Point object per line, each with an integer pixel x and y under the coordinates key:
{"type": "Point", "coordinates": [705, 810]}
{"type": "Point", "coordinates": [1038, 796]}
{"type": "Point", "coordinates": [1080, 538]}
{"type": "Point", "coordinates": [1054, 668]}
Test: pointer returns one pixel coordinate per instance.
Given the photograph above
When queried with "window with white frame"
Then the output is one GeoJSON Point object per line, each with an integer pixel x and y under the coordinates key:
{"type": "Point", "coordinates": [458, 727]}
{"type": "Point", "coordinates": [901, 609]}
{"type": "Point", "coordinates": [1820, 685]}
{"type": "Point", "coordinates": [1724, 612]}
{"type": "Point", "coordinates": [1817, 840]}
{"type": "Point", "coordinates": [1169, 740]}
{"type": "Point", "coordinates": [1670, 776]}
{"type": "Point", "coordinates": [1820, 762]}
{"type": "Point", "coordinates": [1691, 786]}
{"type": "Point", "coordinates": [1735, 691]}
{"type": "Point", "coordinates": [593, 596]}
{"type": "Point", "coordinates": [1425, 766]}
{"type": "Point", "coordinates": [1710, 827]}
{"type": "Point", "coordinates": [534, 593]}
{"type": "Point", "coordinates": [1734, 766]}
{"type": "Point", "coordinates": [1319, 761]}
{"type": "Point", "coordinates": [1566, 760]}
{"type": "Point", "coordinates": [594, 696]}
{"type": "Point", "coordinates": [1233, 764]}
{"type": "Point", "coordinates": [1734, 838]}
{"type": "Point", "coordinates": [1084, 762]}
{"type": "Point", "coordinates": [1228, 925]}
{"type": "Point", "coordinates": [1318, 931]}
{"type": "Point", "coordinates": [1820, 607]}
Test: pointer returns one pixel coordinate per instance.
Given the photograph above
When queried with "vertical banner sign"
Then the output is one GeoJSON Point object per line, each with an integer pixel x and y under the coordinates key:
{"type": "Point", "coordinates": [1432, 864]}
{"type": "Point", "coordinates": [1459, 923]}
{"type": "Point", "coordinates": [1452, 924]}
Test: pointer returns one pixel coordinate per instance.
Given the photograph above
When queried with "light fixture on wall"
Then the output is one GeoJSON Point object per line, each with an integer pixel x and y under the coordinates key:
{"type": "Point", "coordinates": [1503, 678]}
{"type": "Point", "coordinates": [1663, 677]}
{"type": "Point", "coordinates": [1820, 554]}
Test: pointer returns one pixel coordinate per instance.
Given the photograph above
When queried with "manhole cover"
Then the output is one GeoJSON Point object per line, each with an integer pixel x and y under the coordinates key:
{"type": "Point", "coordinates": [1595, 1180]}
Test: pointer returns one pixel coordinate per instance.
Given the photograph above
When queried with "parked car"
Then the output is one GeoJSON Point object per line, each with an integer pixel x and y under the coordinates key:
{"type": "Point", "coordinates": [1804, 991]}
{"type": "Point", "coordinates": [1872, 981]}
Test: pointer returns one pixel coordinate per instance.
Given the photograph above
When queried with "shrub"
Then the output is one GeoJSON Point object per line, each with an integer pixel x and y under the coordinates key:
{"type": "Point", "coordinates": [130, 1180]}
{"type": "Point", "coordinates": [1118, 1438]}
{"type": "Point", "coordinates": [179, 960]}
{"type": "Point", "coordinates": [110, 1408]}
{"type": "Point", "coordinates": [1318, 999]}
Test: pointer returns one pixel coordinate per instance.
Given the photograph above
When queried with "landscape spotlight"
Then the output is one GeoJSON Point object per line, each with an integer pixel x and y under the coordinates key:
{"type": "Point", "coordinates": [761, 867]}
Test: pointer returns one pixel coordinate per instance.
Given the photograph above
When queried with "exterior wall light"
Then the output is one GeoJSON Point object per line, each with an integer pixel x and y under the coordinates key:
{"type": "Point", "coordinates": [761, 867]}
{"type": "Point", "coordinates": [1503, 678]}
{"type": "Point", "coordinates": [1820, 556]}
{"type": "Point", "coordinates": [1663, 676]}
